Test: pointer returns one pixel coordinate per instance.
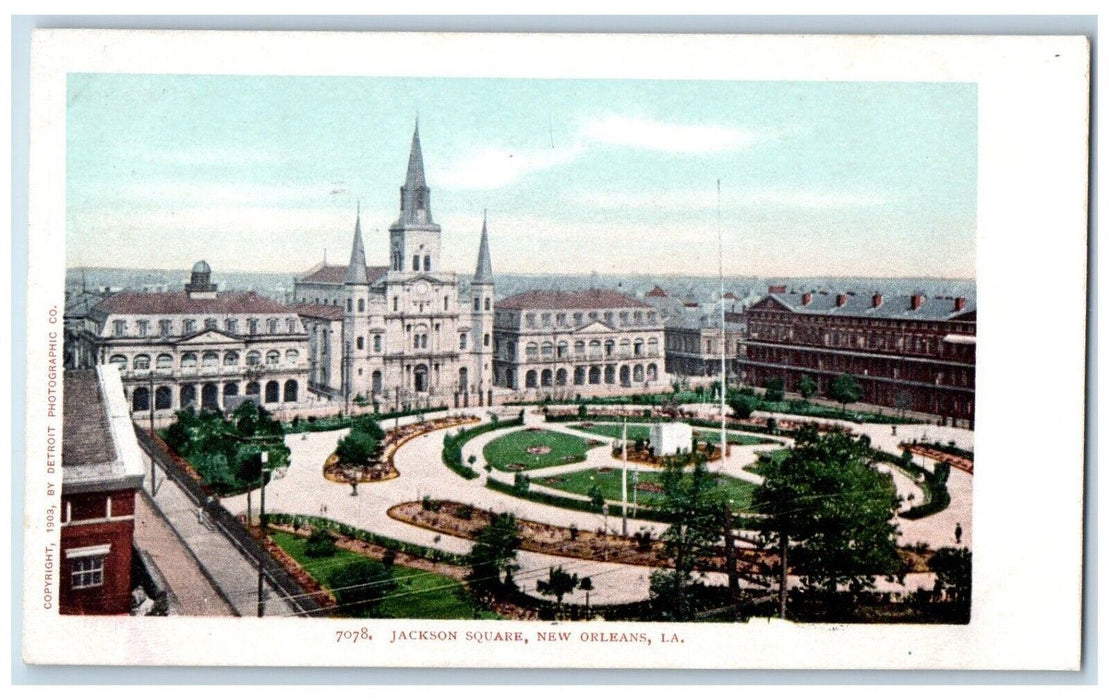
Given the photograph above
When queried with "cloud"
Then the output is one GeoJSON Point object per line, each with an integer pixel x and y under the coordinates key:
{"type": "Point", "coordinates": [654, 135]}
{"type": "Point", "coordinates": [491, 168]}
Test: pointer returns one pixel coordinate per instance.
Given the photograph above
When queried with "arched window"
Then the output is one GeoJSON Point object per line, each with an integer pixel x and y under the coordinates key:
{"type": "Point", "coordinates": [427, 263]}
{"type": "Point", "coordinates": [273, 392]}
{"type": "Point", "coordinates": [563, 349]}
{"type": "Point", "coordinates": [273, 358]}
{"type": "Point", "coordinates": [253, 389]}
{"type": "Point", "coordinates": [488, 303]}
{"type": "Point", "coordinates": [141, 362]}
{"type": "Point", "coordinates": [485, 340]}
{"type": "Point", "coordinates": [531, 350]}
{"type": "Point", "coordinates": [594, 348]}
{"type": "Point", "coordinates": [652, 346]}
{"type": "Point", "coordinates": [377, 343]}
{"type": "Point", "coordinates": [211, 323]}
{"type": "Point", "coordinates": [290, 391]}
{"type": "Point", "coordinates": [531, 379]}
{"type": "Point", "coordinates": [461, 341]}
{"type": "Point", "coordinates": [253, 359]}
{"type": "Point", "coordinates": [210, 359]}
{"type": "Point", "coordinates": [188, 395]}
{"type": "Point", "coordinates": [638, 347]}
{"type": "Point", "coordinates": [610, 346]}
{"type": "Point", "coordinates": [350, 305]}
{"type": "Point", "coordinates": [361, 305]}
{"type": "Point", "coordinates": [188, 360]}
{"type": "Point", "coordinates": [416, 263]}
{"type": "Point", "coordinates": [271, 325]}
{"type": "Point", "coordinates": [579, 348]}
{"type": "Point", "coordinates": [230, 359]}
{"type": "Point", "coordinates": [359, 342]}
{"type": "Point", "coordinates": [293, 356]}
{"type": "Point", "coordinates": [625, 347]}
{"type": "Point", "coordinates": [547, 350]}
{"type": "Point", "coordinates": [119, 360]}
{"type": "Point", "coordinates": [163, 398]}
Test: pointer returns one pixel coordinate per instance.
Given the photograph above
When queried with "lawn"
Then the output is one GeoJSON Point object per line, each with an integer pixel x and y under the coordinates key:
{"type": "Point", "coordinates": [580, 482]}
{"type": "Point", "coordinates": [534, 449]}
{"type": "Point", "coordinates": [420, 595]}
{"type": "Point", "coordinates": [770, 455]}
{"type": "Point", "coordinates": [642, 432]}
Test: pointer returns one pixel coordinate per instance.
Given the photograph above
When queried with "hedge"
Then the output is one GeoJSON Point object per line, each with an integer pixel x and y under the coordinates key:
{"type": "Point", "coordinates": [452, 445]}
{"type": "Point", "coordinates": [416, 550]}
{"type": "Point", "coordinates": [319, 425]}
{"type": "Point", "coordinates": [934, 485]}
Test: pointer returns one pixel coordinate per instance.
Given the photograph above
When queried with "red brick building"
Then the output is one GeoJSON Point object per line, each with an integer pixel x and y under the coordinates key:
{"type": "Point", "coordinates": [101, 470]}
{"type": "Point", "coordinates": [906, 352]}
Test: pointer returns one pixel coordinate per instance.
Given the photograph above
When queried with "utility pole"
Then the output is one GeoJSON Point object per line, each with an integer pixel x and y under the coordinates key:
{"type": "Point", "coordinates": [264, 456]}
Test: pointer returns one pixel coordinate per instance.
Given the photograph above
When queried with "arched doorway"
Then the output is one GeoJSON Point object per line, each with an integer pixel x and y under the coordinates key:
{"type": "Point", "coordinates": [530, 381]}
{"type": "Point", "coordinates": [545, 378]}
{"type": "Point", "coordinates": [463, 379]}
{"type": "Point", "coordinates": [610, 374]}
{"type": "Point", "coordinates": [560, 377]}
{"type": "Point", "coordinates": [188, 395]}
{"type": "Point", "coordinates": [230, 389]}
{"type": "Point", "coordinates": [419, 378]}
{"type": "Point", "coordinates": [163, 398]}
{"type": "Point", "coordinates": [209, 396]}
{"type": "Point", "coordinates": [594, 375]}
{"type": "Point", "coordinates": [291, 391]}
{"type": "Point", "coordinates": [273, 392]}
{"type": "Point", "coordinates": [253, 389]}
{"type": "Point", "coordinates": [375, 378]}
{"type": "Point", "coordinates": [579, 375]}
{"type": "Point", "coordinates": [637, 373]}
{"type": "Point", "coordinates": [140, 399]}
{"type": "Point", "coordinates": [652, 372]}
{"type": "Point", "coordinates": [625, 375]}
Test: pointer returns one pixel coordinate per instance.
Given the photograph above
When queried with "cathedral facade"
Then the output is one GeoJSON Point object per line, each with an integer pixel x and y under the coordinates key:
{"type": "Point", "coordinates": [408, 334]}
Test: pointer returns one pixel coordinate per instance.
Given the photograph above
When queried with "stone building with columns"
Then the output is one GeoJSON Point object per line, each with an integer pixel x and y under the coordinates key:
{"type": "Point", "coordinates": [198, 347]}
{"type": "Point", "coordinates": [408, 333]}
{"type": "Point", "coordinates": [562, 343]}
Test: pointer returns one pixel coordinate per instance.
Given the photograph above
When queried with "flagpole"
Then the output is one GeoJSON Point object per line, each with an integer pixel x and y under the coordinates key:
{"type": "Point", "coordinates": [723, 335]}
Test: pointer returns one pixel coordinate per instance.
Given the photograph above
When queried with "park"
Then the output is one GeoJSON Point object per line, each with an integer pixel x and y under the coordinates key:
{"type": "Point", "coordinates": [547, 512]}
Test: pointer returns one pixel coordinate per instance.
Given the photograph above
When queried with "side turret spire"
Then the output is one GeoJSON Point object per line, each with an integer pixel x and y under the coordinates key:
{"type": "Point", "coordinates": [356, 270]}
{"type": "Point", "coordinates": [484, 272]}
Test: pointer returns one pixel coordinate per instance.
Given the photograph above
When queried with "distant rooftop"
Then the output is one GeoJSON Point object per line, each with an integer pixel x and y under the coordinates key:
{"type": "Point", "coordinates": [577, 299]}
{"type": "Point", "coordinates": [336, 274]}
{"type": "Point", "coordinates": [876, 305]}
{"type": "Point", "coordinates": [162, 303]}
{"type": "Point", "coordinates": [330, 312]}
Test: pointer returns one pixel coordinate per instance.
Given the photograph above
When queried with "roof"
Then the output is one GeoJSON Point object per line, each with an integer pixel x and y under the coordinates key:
{"type": "Point", "coordinates": [202, 267]}
{"type": "Point", "coordinates": [328, 312]}
{"type": "Point", "coordinates": [861, 305]}
{"type": "Point", "coordinates": [657, 292]}
{"type": "Point", "coordinates": [577, 299]}
{"type": "Point", "coordinates": [162, 303]}
{"type": "Point", "coordinates": [337, 274]}
{"type": "Point", "coordinates": [693, 319]}
{"type": "Point", "coordinates": [86, 438]}
{"type": "Point", "coordinates": [99, 449]}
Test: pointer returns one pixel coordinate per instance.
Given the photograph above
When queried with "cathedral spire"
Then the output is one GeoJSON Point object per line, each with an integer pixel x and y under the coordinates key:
{"type": "Point", "coordinates": [356, 270]}
{"type": "Point", "coordinates": [415, 196]}
{"type": "Point", "coordinates": [484, 272]}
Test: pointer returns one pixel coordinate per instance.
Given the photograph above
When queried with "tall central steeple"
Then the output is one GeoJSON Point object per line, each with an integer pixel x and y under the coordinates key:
{"type": "Point", "coordinates": [414, 243]}
{"type": "Point", "coordinates": [356, 270]}
{"type": "Point", "coordinates": [484, 272]}
{"type": "Point", "coordinates": [415, 196]}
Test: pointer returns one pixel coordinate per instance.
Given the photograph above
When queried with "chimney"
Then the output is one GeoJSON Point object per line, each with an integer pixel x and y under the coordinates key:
{"type": "Point", "coordinates": [806, 298]}
{"type": "Point", "coordinates": [917, 301]}
{"type": "Point", "coordinates": [960, 303]}
{"type": "Point", "coordinates": [841, 299]}
{"type": "Point", "coordinates": [876, 300]}
{"type": "Point", "coordinates": [776, 289]}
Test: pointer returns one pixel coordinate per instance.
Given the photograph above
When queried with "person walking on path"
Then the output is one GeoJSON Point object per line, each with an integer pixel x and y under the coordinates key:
{"type": "Point", "coordinates": [958, 533]}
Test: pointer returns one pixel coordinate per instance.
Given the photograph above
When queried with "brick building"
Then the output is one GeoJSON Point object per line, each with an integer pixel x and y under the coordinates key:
{"type": "Point", "coordinates": [578, 341]}
{"type": "Point", "coordinates": [906, 352]}
{"type": "Point", "coordinates": [101, 470]}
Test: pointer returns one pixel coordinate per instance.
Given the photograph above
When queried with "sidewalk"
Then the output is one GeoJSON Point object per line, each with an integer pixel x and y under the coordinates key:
{"type": "Point", "coordinates": [184, 576]}
{"type": "Point", "coordinates": [235, 576]}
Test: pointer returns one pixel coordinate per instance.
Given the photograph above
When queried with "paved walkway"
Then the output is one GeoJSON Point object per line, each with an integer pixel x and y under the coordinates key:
{"type": "Point", "coordinates": [234, 574]}
{"type": "Point", "coordinates": [194, 592]}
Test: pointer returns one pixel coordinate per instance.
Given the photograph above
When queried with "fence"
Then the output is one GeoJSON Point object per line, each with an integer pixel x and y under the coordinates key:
{"type": "Point", "coordinates": [234, 530]}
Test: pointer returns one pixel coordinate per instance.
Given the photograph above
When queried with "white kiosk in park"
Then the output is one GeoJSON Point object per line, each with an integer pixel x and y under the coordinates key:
{"type": "Point", "coordinates": [671, 438]}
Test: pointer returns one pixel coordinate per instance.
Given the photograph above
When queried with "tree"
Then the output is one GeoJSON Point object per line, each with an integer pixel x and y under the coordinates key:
{"type": "Point", "coordinates": [775, 389]}
{"type": "Point", "coordinates": [596, 496]}
{"type": "Point", "coordinates": [691, 503]}
{"type": "Point", "coordinates": [743, 405]}
{"type": "Point", "coordinates": [587, 586]}
{"type": "Point", "coordinates": [806, 387]}
{"type": "Point", "coordinates": [320, 544]}
{"type": "Point", "coordinates": [493, 554]}
{"type": "Point", "coordinates": [844, 390]}
{"type": "Point", "coordinates": [361, 586]}
{"type": "Point", "coordinates": [559, 582]}
{"type": "Point", "coordinates": [828, 504]}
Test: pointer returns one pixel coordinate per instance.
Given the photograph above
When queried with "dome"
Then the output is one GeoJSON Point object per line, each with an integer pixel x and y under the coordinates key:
{"type": "Point", "coordinates": [202, 268]}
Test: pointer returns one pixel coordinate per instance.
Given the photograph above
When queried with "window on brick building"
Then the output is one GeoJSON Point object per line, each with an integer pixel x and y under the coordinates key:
{"type": "Point", "coordinates": [86, 566]}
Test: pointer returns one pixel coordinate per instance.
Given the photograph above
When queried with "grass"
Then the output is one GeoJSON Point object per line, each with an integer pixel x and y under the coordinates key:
{"type": "Point", "coordinates": [420, 595]}
{"type": "Point", "coordinates": [642, 432]}
{"type": "Point", "coordinates": [512, 449]}
{"type": "Point", "coordinates": [764, 457]}
{"type": "Point", "coordinates": [580, 482]}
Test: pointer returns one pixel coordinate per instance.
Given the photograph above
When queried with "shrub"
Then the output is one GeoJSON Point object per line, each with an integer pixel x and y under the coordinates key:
{"type": "Point", "coordinates": [743, 406]}
{"type": "Point", "coordinates": [360, 587]}
{"type": "Point", "coordinates": [521, 483]}
{"type": "Point", "coordinates": [320, 544]}
{"type": "Point", "coordinates": [357, 448]}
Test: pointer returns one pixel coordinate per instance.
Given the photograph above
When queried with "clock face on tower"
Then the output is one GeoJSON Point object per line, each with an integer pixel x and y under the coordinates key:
{"type": "Point", "coordinates": [421, 288]}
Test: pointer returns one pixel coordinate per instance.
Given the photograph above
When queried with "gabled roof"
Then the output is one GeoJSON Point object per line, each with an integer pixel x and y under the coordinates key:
{"type": "Point", "coordinates": [577, 299]}
{"type": "Point", "coordinates": [657, 292]}
{"type": "Point", "coordinates": [336, 274]}
{"type": "Point", "coordinates": [163, 303]}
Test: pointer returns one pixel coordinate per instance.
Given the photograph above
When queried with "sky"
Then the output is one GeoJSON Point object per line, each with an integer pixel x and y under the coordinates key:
{"type": "Point", "coordinates": [265, 173]}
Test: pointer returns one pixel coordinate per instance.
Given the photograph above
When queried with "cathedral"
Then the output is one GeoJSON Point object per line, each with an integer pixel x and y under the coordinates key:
{"type": "Point", "coordinates": [401, 335]}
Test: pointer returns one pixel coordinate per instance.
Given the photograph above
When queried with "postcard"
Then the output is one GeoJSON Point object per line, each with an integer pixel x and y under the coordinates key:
{"type": "Point", "coordinates": [555, 351]}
